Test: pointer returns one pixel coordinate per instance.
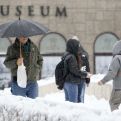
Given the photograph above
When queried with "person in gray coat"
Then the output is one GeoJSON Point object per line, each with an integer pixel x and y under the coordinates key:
{"type": "Point", "coordinates": [114, 73]}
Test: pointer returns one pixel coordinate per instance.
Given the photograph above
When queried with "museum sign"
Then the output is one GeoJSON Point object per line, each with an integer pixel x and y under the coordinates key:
{"type": "Point", "coordinates": [44, 11]}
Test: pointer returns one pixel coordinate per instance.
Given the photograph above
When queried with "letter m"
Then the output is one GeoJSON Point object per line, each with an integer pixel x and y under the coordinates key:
{"type": "Point", "coordinates": [61, 12]}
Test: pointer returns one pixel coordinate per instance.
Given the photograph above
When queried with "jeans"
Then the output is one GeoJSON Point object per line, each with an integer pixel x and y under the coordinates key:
{"type": "Point", "coordinates": [30, 91]}
{"type": "Point", "coordinates": [81, 91]}
{"type": "Point", "coordinates": [71, 92]}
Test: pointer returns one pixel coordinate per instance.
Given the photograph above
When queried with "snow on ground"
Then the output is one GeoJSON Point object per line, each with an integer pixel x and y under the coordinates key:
{"type": "Point", "coordinates": [46, 81]}
{"type": "Point", "coordinates": [52, 107]}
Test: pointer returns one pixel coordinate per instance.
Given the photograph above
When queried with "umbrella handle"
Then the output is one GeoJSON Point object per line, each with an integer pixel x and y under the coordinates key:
{"type": "Point", "coordinates": [20, 51]}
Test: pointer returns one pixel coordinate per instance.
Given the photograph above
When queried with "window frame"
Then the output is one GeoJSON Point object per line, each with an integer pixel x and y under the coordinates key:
{"type": "Point", "coordinates": [104, 53]}
{"type": "Point", "coordinates": [52, 54]}
{"type": "Point", "coordinates": [10, 44]}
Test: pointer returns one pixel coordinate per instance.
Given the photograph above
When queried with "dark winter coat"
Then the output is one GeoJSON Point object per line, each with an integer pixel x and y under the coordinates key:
{"type": "Point", "coordinates": [85, 62]}
{"type": "Point", "coordinates": [32, 59]}
{"type": "Point", "coordinates": [73, 74]}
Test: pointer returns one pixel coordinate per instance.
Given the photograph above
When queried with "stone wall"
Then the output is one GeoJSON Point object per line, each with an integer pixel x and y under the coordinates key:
{"type": "Point", "coordinates": [85, 18]}
{"type": "Point", "coordinates": [93, 89]}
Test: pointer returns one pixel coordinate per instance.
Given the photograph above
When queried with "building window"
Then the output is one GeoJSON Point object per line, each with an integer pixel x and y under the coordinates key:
{"type": "Point", "coordinates": [5, 76]}
{"type": "Point", "coordinates": [52, 46]}
{"type": "Point", "coordinates": [103, 51]}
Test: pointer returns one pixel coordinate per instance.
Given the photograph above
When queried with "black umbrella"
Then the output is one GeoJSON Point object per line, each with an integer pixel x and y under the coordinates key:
{"type": "Point", "coordinates": [22, 28]}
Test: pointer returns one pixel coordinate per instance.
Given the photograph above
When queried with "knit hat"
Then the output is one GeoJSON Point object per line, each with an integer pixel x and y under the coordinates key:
{"type": "Point", "coordinates": [75, 37]}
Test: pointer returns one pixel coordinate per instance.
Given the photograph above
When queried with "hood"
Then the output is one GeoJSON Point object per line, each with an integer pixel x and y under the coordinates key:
{"type": "Point", "coordinates": [72, 46]}
{"type": "Point", "coordinates": [117, 48]}
{"type": "Point", "coordinates": [17, 43]}
{"type": "Point", "coordinates": [81, 49]}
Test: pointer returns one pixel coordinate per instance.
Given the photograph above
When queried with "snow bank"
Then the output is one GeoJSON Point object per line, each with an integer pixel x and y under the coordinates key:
{"type": "Point", "coordinates": [54, 108]}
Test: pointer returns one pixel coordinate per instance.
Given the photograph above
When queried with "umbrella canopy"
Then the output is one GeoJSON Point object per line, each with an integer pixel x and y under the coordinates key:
{"type": "Point", "coordinates": [22, 28]}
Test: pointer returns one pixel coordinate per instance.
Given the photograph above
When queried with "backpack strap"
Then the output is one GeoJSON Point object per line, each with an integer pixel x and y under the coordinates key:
{"type": "Point", "coordinates": [118, 58]}
{"type": "Point", "coordinates": [66, 57]}
{"type": "Point", "coordinates": [119, 61]}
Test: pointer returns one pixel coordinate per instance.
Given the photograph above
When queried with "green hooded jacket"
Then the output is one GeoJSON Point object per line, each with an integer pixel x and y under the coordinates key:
{"type": "Point", "coordinates": [32, 59]}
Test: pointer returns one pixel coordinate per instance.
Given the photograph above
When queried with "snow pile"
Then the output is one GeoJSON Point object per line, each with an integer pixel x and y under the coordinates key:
{"type": "Point", "coordinates": [54, 108]}
{"type": "Point", "coordinates": [20, 109]}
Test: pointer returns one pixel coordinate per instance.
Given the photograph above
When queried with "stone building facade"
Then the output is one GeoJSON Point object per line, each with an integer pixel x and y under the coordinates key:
{"type": "Point", "coordinates": [87, 19]}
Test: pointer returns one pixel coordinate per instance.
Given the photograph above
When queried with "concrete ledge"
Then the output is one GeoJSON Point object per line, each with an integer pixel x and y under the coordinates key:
{"type": "Point", "coordinates": [47, 89]}
{"type": "Point", "coordinates": [99, 91]}
{"type": "Point", "coordinates": [93, 89]}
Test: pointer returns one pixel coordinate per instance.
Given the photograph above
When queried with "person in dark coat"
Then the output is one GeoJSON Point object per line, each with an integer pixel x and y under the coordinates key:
{"type": "Point", "coordinates": [32, 60]}
{"type": "Point", "coordinates": [84, 65]}
{"type": "Point", "coordinates": [74, 74]}
{"type": "Point", "coordinates": [83, 58]}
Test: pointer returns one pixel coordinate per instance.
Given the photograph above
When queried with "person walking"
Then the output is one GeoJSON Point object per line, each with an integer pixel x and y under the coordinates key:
{"type": "Point", "coordinates": [74, 74]}
{"type": "Point", "coordinates": [114, 73]}
{"type": "Point", "coordinates": [32, 60]}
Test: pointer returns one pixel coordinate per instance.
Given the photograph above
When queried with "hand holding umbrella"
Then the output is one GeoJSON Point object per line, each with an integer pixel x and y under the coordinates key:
{"type": "Point", "coordinates": [19, 61]}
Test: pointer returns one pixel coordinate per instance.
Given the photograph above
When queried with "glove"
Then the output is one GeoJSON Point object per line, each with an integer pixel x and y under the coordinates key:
{"type": "Point", "coordinates": [87, 80]}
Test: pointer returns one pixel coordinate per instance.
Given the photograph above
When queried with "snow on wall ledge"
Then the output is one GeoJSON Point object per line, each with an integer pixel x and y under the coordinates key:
{"type": "Point", "coordinates": [16, 108]}
{"type": "Point", "coordinates": [48, 86]}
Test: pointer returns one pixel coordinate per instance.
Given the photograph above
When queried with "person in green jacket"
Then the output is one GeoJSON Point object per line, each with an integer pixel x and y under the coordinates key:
{"type": "Point", "coordinates": [31, 58]}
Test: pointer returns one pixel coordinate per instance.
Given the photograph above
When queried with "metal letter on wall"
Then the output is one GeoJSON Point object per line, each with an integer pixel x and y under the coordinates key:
{"type": "Point", "coordinates": [45, 10]}
{"type": "Point", "coordinates": [4, 10]}
{"type": "Point", "coordinates": [18, 10]}
{"type": "Point", "coordinates": [62, 12]}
